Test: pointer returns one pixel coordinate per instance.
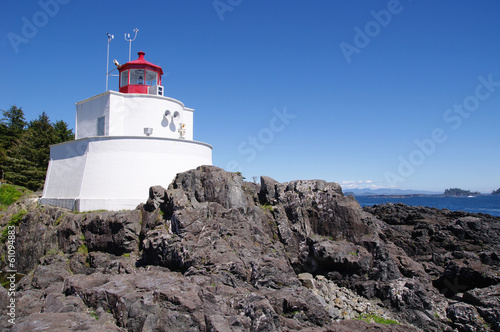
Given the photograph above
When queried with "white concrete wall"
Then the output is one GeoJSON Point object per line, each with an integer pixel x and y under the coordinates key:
{"type": "Point", "coordinates": [115, 173]}
{"type": "Point", "coordinates": [66, 169]}
{"type": "Point", "coordinates": [129, 114]}
{"type": "Point", "coordinates": [87, 113]}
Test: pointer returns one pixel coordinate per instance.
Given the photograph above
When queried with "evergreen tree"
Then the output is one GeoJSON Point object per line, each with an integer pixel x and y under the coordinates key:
{"type": "Point", "coordinates": [13, 125]}
{"type": "Point", "coordinates": [460, 192]}
{"type": "Point", "coordinates": [29, 157]}
{"type": "Point", "coordinates": [63, 133]}
{"type": "Point", "coordinates": [25, 148]}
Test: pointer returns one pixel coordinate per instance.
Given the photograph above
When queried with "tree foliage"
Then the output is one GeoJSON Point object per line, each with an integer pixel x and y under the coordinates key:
{"type": "Point", "coordinates": [460, 192]}
{"type": "Point", "coordinates": [12, 126]}
{"type": "Point", "coordinates": [25, 147]}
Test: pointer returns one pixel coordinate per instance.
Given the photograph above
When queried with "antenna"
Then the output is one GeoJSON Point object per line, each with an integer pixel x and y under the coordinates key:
{"type": "Point", "coordinates": [127, 35]}
{"type": "Point", "coordinates": [110, 37]}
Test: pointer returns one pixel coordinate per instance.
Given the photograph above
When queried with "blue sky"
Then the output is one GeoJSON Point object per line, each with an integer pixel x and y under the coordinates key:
{"type": "Point", "coordinates": [402, 94]}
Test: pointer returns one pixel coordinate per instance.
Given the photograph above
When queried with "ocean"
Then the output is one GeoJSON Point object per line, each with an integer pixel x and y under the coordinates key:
{"type": "Point", "coordinates": [477, 204]}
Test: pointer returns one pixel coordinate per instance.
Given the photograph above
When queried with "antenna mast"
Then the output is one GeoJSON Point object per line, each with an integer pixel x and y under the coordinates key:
{"type": "Point", "coordinates": [127, 35]}
{"type": "Point", "coordinates": [110, 37]}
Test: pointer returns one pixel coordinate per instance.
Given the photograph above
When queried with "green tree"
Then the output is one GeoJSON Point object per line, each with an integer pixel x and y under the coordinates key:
{"type": "Point", "coordinates": [460, 192]}
{"type": "Point", "coordinates": [25, 148]}
{"type": "Point", "coordinates": [29, 157]}
{"type": "Point", "coordinates": [13, 123]}
{"type": "Point", "coordinates": [12, 126]}
{"type": "Point", "coordinates": [63, 133]}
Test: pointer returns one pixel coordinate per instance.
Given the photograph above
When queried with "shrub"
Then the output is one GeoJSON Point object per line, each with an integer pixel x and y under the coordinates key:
{"type": "Point", "coordinates": [15, 220]}
{"type": "Point", "coordinates": [9, 194]}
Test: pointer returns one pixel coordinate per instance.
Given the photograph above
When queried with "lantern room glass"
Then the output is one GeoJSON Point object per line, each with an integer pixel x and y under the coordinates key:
{"type": "Point", "coordinates": [124, 78]}
{"type": "Point", "coordinates": [151, 78]}
{"type": "Point", "coordinates": [136, 76]}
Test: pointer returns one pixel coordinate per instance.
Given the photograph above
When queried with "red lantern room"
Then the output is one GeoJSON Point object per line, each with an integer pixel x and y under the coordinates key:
{"type": "Point", "coordinates": [139, 76]}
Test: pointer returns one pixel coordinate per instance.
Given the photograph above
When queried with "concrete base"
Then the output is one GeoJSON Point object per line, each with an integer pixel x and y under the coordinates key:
{"type": "Point", "coordinates": [115, 173]}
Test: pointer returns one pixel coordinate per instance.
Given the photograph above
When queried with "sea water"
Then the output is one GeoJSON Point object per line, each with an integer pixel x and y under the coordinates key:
{"type": "Point", "coordinates": [477, 204]}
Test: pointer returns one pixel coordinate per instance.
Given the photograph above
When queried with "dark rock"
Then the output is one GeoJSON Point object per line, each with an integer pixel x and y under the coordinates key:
{"type": "Point", "coordinates": [58, 303]}
{"type": "Point", "coordinates": [37, 234]}
{"type": "Point", "coordinates": [212, 184]}
{"type": "Point", "coordinates": [487, 302]}
{"type": "Point", "coordinates": [51, 270]}
{"type": "Point", "coordinates": [112, 232]}
{"type": "Point", "coordinates": [59, 322]}
{"type": "Point", "coordinates": [460, 276]}
{"type": "Point", "coordinates": [215, 253]}
{"type": "Point", "coordinates": [465, 317]}
{"type": "Point", "coordinates": [157, 197]}
{"type": "Point", "coordinates": [358, 325]}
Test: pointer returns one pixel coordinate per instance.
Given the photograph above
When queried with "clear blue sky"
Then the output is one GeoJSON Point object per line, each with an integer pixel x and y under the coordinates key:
{"type": "Point", "coordinates": [334, 90]}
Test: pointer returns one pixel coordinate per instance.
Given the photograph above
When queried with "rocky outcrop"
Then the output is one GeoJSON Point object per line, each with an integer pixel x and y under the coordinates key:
{"type": "Point", "coordinates": [215, 253]}
{"type": "Point", "coordinates": [458, 251]}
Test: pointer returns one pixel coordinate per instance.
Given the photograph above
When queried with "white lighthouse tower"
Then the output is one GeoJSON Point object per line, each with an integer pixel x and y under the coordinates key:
{"type": "Point", "coordinates": [125, 142]}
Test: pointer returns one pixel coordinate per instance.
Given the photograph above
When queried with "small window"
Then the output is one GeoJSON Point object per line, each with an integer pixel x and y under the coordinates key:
{"type": "Point", "coordinates": [151, 78]}
{"type": "Point", "coordinates": [124, 78]}
{"type": "Point", "coordinates": [137, 76]}
{"type": "Point", "coordinates": [100, 126]}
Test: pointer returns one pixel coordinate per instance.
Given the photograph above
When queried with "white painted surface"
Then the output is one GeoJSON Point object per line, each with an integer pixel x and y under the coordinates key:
{"type": "Point", "coordinates": [115, 173]}
{"type": "Point", "coordinates": [116, 170]}
{"type": "Point", "coordinates": [128, 115]}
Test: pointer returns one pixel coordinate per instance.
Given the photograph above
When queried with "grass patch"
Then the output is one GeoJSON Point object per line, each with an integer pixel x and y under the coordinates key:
{"type": "Point", "coordinates": [52, 252]}
{"type": "Point", "coordinates": [58, 221]}
{"type": "Point", "coordinates": [83, 250]}
{"type": "Point", "coordinates": [15, 220]}
{"type": "Point", "coordinates": [9, 194]}
{"type": "Point", "coordinates": [91, 211]}
{"type": "Point", "coordinates": [267, 207]}
{"type": "Point", "coordinates": [372, 318]}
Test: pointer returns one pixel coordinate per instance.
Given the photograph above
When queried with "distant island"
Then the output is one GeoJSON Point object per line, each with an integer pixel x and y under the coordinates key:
{"type": "Point", "coordinates": [460, 192]}
{"type": "Point", "coordinates": [399, 193]}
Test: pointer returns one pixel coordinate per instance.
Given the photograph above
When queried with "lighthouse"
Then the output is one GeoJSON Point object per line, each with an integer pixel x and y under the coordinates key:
{"type": "Point", "coordinates": [125, 142]}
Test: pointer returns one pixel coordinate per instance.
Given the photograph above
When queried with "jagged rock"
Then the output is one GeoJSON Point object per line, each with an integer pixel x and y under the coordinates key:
{"type": "Point", "coordinates": [465, 317]}
{"type": "Point", "coordinates": [215, 253]}
{"type": "Point", "coordinates": [356, 325]}
{"type": "Point", "coordinates": [112, 232]}
{"type": "Point", "coordinates": [212, 184]}
{"type": "Point", "coordinates": [487, 302]}
{"type": "Point", "coordinates": [344, 257]}
{"type": "Point", "coordinates": [37, 233]}
{"type": "Point", "coordinates": [157, 197]}
{"type": "Point", "coordinates": [306, 279]}
{"type": "Point", "coordinates": [62, 322]}
{"type": "Point", "coordinates": [51, 269]}
{"type": "Point", "coordinates": [57, 303]}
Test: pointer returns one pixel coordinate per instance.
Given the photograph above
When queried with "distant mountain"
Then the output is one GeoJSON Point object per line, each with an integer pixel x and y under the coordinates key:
{"type": "Point", "coordinates": [388, 191]}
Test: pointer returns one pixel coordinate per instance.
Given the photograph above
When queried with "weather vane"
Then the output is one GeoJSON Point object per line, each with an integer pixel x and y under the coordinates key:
{"type": "Point", "coordinates": [127, 35]}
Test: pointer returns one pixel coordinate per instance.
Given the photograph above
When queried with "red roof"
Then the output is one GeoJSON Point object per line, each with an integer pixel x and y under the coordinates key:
{"type": "Point", "coordinates": [141, 62]}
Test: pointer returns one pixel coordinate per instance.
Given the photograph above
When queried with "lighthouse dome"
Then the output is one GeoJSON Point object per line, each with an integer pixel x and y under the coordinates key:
{"type": "Point", "coordinates": [139, 75]}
